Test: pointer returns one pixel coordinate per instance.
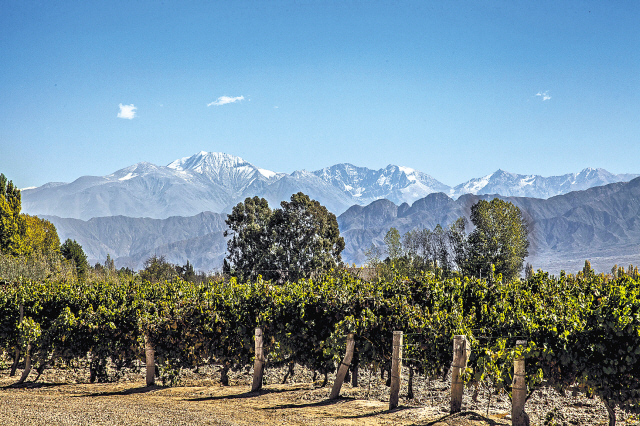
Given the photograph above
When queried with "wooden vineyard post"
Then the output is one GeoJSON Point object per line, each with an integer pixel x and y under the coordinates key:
{"type": "Point", "coordinates": [461, 350]}
{"type": "Point", "coordinates": [258, 365]}
{"type": "Point", "coordinates": [150, 361]}
{"type": "Point", "coordinates": [519, 389]}
{"type": "Point", "coordinates": [344, 367]}
{"type": "Point", "coordinates": [396, 367]}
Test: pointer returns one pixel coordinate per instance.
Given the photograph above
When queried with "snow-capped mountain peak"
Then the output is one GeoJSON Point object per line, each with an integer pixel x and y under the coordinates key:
{"type": "Point", "coordinates": [215, 181]}
{"type": "Point", "coordinates": [208, 162]}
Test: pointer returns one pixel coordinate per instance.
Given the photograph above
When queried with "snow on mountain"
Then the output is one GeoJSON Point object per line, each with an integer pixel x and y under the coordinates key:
{"type": "Point", "coordinates": [536, 186]}
{"type": "Point", "coordinates": [398, 184]}
{"type": "Point", "coordinates": [214, 181]}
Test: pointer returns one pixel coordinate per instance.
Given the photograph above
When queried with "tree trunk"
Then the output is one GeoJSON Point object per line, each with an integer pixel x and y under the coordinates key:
{"type": "Point", "coordinates": [611, 410]}
{"type": "Point", "coordinates": [149, 360]}
{"type": "Point", "coordinates": [16, 358]}
{"type": "Point", "coordinates": [27, 364]}
{"type": "Point", "coordinates": [43, 365]}
{"type": "Point", "coordinates": [290, 372]}
{"type": "Point", "coordinates": [224, 377]}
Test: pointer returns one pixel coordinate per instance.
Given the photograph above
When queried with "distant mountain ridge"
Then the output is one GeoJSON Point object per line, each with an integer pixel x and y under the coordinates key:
{"type": "Point", "coordinates": [601, 224]}
{"type": "Point", "coordinates": [212, 181]}
{"type": "Point", "coordinates": [536, 186]}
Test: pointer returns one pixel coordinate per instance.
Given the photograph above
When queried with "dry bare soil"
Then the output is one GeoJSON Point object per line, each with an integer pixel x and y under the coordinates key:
{"type": "Point", "coordinates": [62, 397]}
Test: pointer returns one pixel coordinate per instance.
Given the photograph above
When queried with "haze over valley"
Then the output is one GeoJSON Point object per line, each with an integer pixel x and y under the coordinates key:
{"type": "Point", "coordinates": [179, 210]}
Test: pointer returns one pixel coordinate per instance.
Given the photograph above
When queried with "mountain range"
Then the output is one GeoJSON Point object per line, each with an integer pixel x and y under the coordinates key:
{"type": "Point", "coordinates": [601, 224]}
{"type": "Point", "coordinates": [215, 182]}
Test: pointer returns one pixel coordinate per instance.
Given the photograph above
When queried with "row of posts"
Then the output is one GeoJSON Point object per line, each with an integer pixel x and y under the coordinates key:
{"type": "Point", "coordinates": [461, 352]}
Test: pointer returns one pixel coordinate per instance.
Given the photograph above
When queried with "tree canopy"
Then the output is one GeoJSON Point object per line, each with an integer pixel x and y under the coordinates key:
{"type": "Point", "coordinates": [11, 224]}
{"type": "Point", "coordinates": [289, 243]}
{"type": "Point", "coordinates": [39, 236]}
{"type": "Point", "coordinates": [71, 250]}
{"type": "Point", "coordinates": [500, 238]}
{"type": "Point", "coordinates": [497, 244]}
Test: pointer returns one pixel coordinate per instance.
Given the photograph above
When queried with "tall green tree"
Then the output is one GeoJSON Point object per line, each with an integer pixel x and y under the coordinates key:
{"type": "Point", "coordinates": [71, 250]}
{"type": "Point", "coordinates": [249, 250]}
{"type": "Point", "coordinates": [500, 238]}
{"type": "Point", "coordinates": [290, 243]}
{"type": "Point", "coordinates": [11, 224]}
{"type": "Point", "coordinates": [306, 238]}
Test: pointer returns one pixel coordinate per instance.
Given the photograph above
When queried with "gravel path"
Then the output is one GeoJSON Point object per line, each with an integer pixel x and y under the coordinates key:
{"type": "Point", "coordinates": [62, 397]}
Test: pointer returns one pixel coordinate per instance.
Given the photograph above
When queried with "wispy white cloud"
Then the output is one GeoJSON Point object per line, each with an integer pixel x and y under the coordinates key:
{"type": "Point", "coordinates": [127, 111]}
{"type": "Point", "coordinates": [544, 95]}
{"type": "Point", "coordinates": [223, 100]}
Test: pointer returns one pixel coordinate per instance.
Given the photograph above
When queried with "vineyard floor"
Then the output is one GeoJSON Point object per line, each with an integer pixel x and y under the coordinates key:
{"type": "Point", "coordinates": [62, 397]}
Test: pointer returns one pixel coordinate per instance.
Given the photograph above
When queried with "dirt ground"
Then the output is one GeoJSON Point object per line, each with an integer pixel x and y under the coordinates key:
{"type": "Point", "coordinates": [62, 397]}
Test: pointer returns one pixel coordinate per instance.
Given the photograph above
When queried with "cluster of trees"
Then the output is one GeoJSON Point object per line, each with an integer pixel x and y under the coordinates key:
{"type": "Point", "coordinates": [30, 247]}
{"type": "Point", "coordinates": [302, 239]}
{"type": "Point", "coordinates": [299, 240]}
{"type": "Point", "coordinates": [21, 234]}
{"type": "Point", "coordinates": [296, 241]}
{"type": "Point", "coordinates": [158, 269]}
{"type": "Point", "coordinates": [497, 244]}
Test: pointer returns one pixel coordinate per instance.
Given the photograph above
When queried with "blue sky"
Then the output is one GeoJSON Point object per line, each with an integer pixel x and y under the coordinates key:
{"type": "Point", "coordinates": [455, 89]}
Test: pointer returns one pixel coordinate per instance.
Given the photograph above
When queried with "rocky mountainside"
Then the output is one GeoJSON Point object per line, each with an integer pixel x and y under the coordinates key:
{"type": "Point", "coordinates": [601, 224]}
{"type": "Point", "coordinates": [131, 241]}
{"type": "Point", "coordinates": [216, 182]}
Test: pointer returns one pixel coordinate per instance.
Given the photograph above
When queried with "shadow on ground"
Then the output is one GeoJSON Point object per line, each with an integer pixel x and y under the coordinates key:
{"type": "Point", "coordinates": [241, 395]}
{"type": "Point", "coordinates": [322, 403]}
{"type": "Point", "coordinates": [133, 391]}
{"type": "Point", "coordinates": [32, 385]}
{"type": "Point", "coordinates": [453, 419]}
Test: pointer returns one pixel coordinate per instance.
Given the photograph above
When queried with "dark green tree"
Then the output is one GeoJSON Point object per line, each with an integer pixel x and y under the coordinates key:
{"type": "Point", "coordinates": [186, 272]}
{"type": "Point", "coordinates": [306, 238]}
{"type": "Point", "coordinates": [71, 250]}
{"type": "Point", "coordinates": [249, 250]}
{"type": "Point", "coordinates": [500, 238]}
{"type": "Point", "coordinates": [290, 243]}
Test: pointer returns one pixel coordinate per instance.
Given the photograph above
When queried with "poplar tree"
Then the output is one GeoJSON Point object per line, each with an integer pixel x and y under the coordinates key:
{"type": "Point", "coordinates": [500, 238]}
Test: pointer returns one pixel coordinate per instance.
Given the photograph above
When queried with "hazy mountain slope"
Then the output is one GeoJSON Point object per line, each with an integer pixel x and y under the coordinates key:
{"type": "Point", "coordinates": [130, 241]}
{"type": "Point", "coordinates": [601, 224]}
{"type": "Point", "coordinates": [598, 222]}
{"type": "Point", "coordinates": [217, 182]}
{"type": "Point", "coordinates": [306, 182]}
